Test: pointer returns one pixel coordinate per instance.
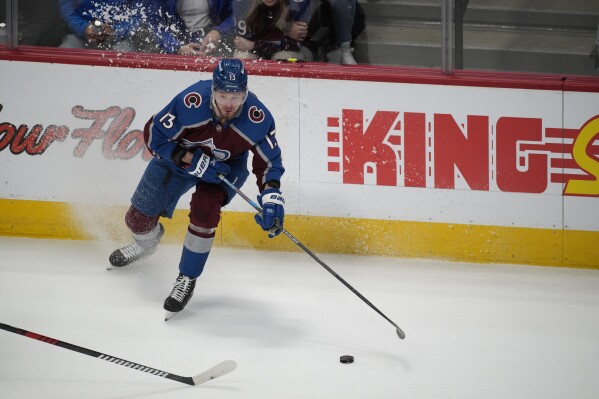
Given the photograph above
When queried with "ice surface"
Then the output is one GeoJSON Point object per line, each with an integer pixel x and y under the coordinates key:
{"type": "Point", "coordinates": [472, 331]}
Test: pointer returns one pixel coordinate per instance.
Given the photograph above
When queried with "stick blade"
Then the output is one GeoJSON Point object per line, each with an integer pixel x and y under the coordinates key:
{"type": "Point", "coordinates": [400, 333]}
{"type": "Point", "coordinates": [219, 370]}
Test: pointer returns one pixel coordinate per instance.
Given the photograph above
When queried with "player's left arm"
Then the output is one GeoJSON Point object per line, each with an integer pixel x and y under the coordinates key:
{"type": "Point", "coordinates": [267, 162]}
{"type": "Point", "coordinates": [268, 167]}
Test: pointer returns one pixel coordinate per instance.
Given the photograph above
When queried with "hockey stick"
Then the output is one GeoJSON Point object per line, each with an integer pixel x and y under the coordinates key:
{"type": "Point", "coordinates": [398, 330]}
{"type": "Point", "coordinates": [220, 369]}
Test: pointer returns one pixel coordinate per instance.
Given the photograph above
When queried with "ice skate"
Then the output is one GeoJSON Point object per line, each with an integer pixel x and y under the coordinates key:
{"type": "Point", "coordinates": [135, 251]}
{"type": "Point", "coordinates": [180, 295]}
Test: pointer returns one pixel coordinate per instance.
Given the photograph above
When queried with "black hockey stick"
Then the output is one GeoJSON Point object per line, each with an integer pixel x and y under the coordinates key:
{"type": "Point", "coordinates": [220, 369]}
{"type": "Point", "coordinates": [398, 330]}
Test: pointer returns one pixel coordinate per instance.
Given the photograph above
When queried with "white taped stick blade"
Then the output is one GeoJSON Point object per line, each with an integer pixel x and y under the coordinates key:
{"type": "Point", "coordinates": [220, 369]}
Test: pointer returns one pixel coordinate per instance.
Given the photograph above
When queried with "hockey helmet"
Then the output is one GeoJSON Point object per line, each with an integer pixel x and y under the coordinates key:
{"type": "Point", "coordinates": [230, 76]}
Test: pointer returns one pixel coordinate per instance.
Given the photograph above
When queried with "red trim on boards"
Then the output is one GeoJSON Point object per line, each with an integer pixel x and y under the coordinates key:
{"type": "Point", "coordinates": [310, 70]}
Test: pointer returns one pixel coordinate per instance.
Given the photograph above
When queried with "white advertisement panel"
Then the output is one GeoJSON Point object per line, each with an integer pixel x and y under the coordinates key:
{"type": "Point", "coordinates": [581, 194]}
{"type": "Point", "coordinates": [372, 150]}
{"type": "Point", "coordinates": [71, 133]}
{"type": "Point", "coordinates": [432, 153]}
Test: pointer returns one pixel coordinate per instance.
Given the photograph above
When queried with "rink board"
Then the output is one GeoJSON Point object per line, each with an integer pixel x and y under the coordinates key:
{"type": "Point", "coordinates": [472, 243]}
{"type": "Point", "coordinates": [484, 174]}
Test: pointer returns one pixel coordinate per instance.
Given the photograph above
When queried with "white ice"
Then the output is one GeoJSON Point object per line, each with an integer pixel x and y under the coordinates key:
{"type": "Point", "coordinates": [472, 331]}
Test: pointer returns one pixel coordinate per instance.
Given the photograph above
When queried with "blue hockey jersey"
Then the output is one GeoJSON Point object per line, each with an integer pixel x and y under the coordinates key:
{"type": "Point", "coordinates": [188, 122]}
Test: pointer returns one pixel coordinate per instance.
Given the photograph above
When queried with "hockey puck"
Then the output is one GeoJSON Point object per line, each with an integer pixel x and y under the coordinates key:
{"type": "Point", "coordinates": [346, 359]}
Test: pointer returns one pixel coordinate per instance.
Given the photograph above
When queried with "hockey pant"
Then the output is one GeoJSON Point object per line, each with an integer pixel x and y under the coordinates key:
{"type": "Point", "coordinates": [159, 190]}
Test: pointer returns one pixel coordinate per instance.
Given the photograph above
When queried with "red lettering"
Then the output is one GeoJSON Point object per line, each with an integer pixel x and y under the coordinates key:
{"type": "Point", "coordinates": [127, 144]}
{"type": "Point", "coordinates": [22, 139]}
{"type": "Point", "coordinates": [94, 132]}
{"type": "Point", "coordinates": [470, 154]}
{"type": "Point", "coordinates": [414, 149]}
{"type": "Point", "coordinates": [117, 143]}
{"type": "Point", "coordinates": [517, 171]}
{"type": "Point", "coordinates": [368, 152]}
{"type": "Point", "coordinates": [34, 142]}
{"type": "Point", "coordinates": [7, 131]}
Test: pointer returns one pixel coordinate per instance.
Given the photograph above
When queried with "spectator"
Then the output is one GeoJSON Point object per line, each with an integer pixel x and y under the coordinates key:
{"type": "Point", "coordinates": [272, 29]}
{"type": "Point", "coordinates": [193, 27]}
{"type": "Point", "coordinates": [3, 25]}
{"type": "Point", "coordinates": [106, 25]}
{"type": "Point", "coordinates": [39, 23]}
{"type": "Point", "coordinates": [343, 14]}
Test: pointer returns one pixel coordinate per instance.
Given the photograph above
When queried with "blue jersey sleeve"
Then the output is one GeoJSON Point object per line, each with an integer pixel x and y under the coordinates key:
{"type": "Point", "coordinates": [267, 163]}
{"type": "Point", "coordinates": [74, 20]}
{"type": "Point", "coordinates": [190, 108]}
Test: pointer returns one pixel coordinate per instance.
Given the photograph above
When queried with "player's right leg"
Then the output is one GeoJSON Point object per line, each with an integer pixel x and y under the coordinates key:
{"type": "Point", "coordinates": [157, 194]}
{"type": "Point", "coordinates": [146, 232]}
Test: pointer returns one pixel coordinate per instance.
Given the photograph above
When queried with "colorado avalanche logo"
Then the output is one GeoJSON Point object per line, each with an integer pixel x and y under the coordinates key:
{"type": "Point", "coordinates": [192, 100]}
{"type": "Point", "coordinates": [221, 155]}
{"type": "Point", "coordinates": [256, 115]}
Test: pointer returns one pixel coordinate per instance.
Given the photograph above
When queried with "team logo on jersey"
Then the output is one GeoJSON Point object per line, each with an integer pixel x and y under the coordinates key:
{"type": "Point", "coordinates": [221, 155]}
{"type": "Point", "coordinates": [256, 115]}
{"type": "Point", "coordinates": [192, 100]}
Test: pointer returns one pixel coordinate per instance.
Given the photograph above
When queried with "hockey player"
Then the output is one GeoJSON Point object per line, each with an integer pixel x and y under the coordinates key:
{"type": "Point", "coordinates": [207, 130]}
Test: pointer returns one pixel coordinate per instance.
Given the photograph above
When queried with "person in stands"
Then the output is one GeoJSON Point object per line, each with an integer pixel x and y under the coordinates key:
{"type": "Point", "coordinates": [272, 29]}
{"type": "Point", "coordinates": [39, 23]}
{"type": "Point", "coordinates": [193, 27]}
{"type": "Point", "coordinates": [103, 25]}
{"type": "Point", "coordinates": [343, 13]}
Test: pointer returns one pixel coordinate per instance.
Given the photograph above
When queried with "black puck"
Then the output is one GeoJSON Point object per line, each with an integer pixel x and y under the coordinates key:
{"type": "Point", "coordinates": [346, 359]}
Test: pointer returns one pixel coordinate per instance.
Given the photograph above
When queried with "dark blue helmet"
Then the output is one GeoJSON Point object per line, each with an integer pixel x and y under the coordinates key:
{"type": "Point", "coordinates": [229, 75]}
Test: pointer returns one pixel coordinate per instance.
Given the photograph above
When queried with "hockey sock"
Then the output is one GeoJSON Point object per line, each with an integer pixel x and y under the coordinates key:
{"type": "Point", "coordinates": [194, 255]}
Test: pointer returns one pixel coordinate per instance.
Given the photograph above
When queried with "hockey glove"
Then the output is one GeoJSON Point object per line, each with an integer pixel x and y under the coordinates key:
{"type": "Point", "coordinates": [273, 212]}
{"type": "Point", "coordinates": [207, 168]}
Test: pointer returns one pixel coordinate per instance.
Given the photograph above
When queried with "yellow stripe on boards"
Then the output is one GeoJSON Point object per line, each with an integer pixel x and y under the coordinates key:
{"type": "Point", "coordinates": [581, 249]}
{"type": "Point", "coordinates": [456, 242]}
{"type": "Point", "coordinates": [38, 219]}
